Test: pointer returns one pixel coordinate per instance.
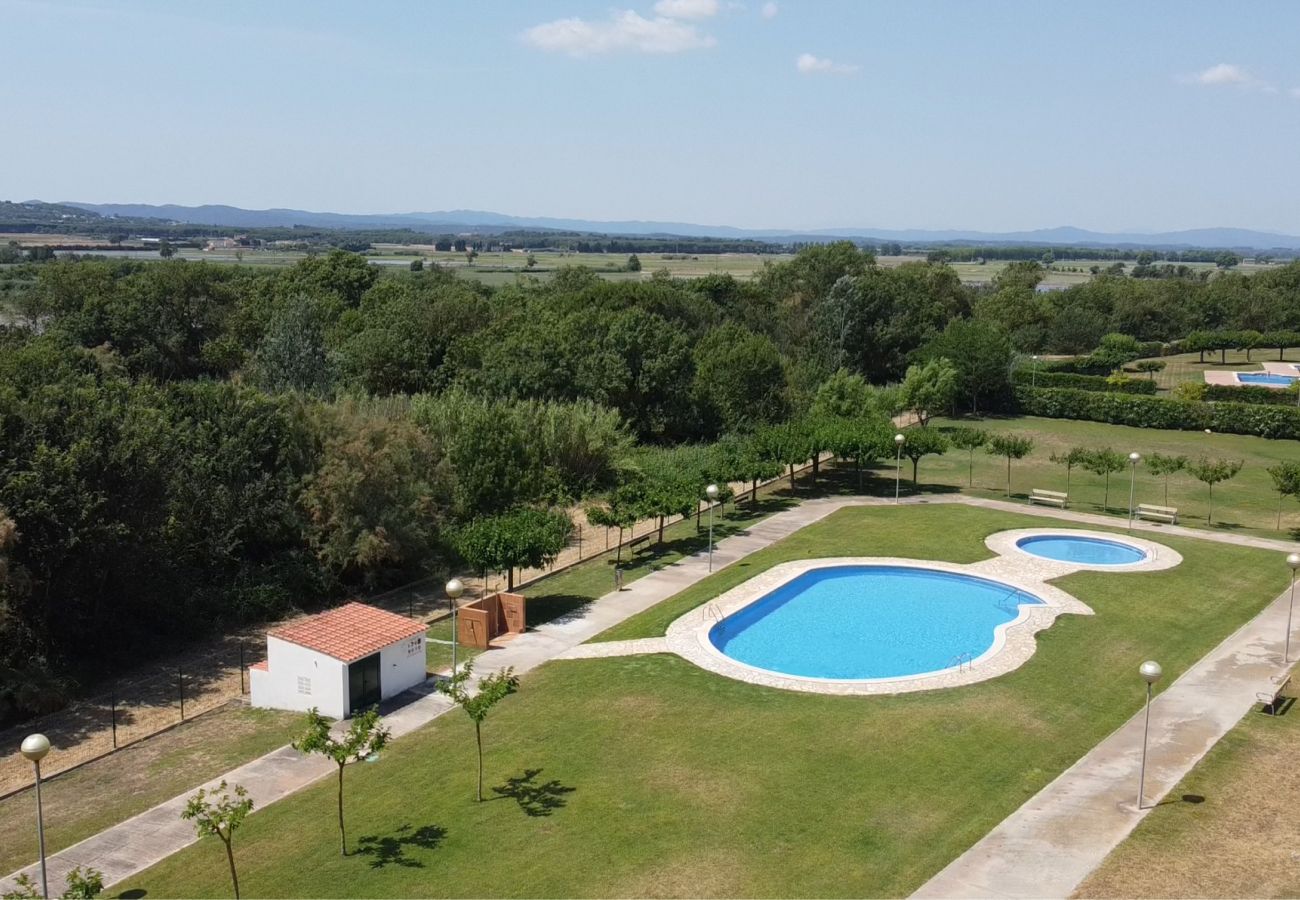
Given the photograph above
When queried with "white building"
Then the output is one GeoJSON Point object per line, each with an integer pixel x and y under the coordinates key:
{"type": "Point", "coordinates": [341, 662]}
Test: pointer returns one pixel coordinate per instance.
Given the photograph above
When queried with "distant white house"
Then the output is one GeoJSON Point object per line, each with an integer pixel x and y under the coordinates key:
{"type": "Point", "coordinates": [342, 661]}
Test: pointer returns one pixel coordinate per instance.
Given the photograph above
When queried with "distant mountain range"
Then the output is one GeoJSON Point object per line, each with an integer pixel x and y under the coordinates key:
{"type": "Point", "coordinates": [456, 220]}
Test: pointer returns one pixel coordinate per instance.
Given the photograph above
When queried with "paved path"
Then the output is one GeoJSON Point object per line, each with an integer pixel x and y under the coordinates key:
{"type": "Point", "coordinates": [1044, 849]}
{"type": "Point", "coordinates": [132, 846]}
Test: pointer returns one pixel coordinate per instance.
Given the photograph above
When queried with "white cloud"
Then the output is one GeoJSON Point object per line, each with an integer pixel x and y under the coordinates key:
{"type": "Point", "coordinates": [625, 31]}
{"type": "Point", "coordinates": [687, 9]}
{"type": "Point", "coordinates": [807, 64]}
{"type": "Point", "coordinates": [1224, 73]}
{"type": "Point", "coordinates": [1295, 92]}
{"type": "Point", "coordinates": [769, 10]}
{"type": "Point", "coordinates": [1230, 75]}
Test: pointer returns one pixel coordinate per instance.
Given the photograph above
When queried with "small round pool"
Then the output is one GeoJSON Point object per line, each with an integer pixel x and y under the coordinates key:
{"type": "Point", "coordinates": [862, 622]}
{"type": "Point", "coordinates": [1084, 550]}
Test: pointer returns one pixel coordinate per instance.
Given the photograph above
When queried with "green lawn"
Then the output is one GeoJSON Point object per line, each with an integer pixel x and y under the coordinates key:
{"type": "Point", "coordinates": [88, 799]}
{"type": "Point", "coordinates": [1188, 366]}
{"type": "Point", "coordinates": [1247, 503]}
{"type": "Point", "coordinates": [648, 776]}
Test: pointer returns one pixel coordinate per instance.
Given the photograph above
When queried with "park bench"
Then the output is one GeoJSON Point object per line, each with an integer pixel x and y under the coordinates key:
{"type": "Point", "coordinates": [1157, 513]}
{"type": "Point", "coordinates": [1271, 697]}
{"type": "Point", "coordinates": [642, 541]}
{"type": "Point", "coordinates": [1049, 498]}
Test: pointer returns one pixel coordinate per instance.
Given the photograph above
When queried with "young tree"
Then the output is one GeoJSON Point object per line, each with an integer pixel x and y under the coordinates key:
{"type": "Point", "coordinates": [525, 537]}
{"type": "Point", "coordinates": [1286, 481]}
{"type": "Point", "coordinates": [970, 440]}
{"type": "Point", "coordinates": [860, 439]}
{"type": "Point", "coordinates": [81, 885]}
{"type": "Point", "coordinates": [364, 736]}
{"type": "Point", "coordinates": [929, 387]}
{"type": "Point", "coordinates": [922, 442]}
{"type": "Point", "coordinates": [1210, 471]}
{"type": "Point", "coordinates": [1075, 456]}
{"type": "Point", "coordinates": [220, 812]}
{"type": "Point", "coordinates": [1164, 465]}
{"type": "Point", "coordinates": [788, 443]}
{"type": "Point", "coordinates": [620, 510]}
{"type": "Point", "coordinates": [633, 263]}
{"type": "Point", "coordinates": [491, 690]}
{"type": "Point", "coordinates": [1150, 366]}
{"type": "Point", "coordinates": [1104, 462]}
{"type": "Point", "coordinates": [1012, 446]}
{"type": "Point", "coordinates": [844, 395]}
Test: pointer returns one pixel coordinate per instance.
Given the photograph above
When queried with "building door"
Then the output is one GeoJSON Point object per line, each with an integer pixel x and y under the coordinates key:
{"type": "Point", "coordinates": [363, 684]}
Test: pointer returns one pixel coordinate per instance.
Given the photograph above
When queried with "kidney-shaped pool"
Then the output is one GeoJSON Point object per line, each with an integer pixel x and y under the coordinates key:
{"type": "Point", "coordinates": [869, 621]}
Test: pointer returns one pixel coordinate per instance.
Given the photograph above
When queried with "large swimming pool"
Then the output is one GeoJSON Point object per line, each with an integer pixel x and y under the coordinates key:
{"type": "Point", "coordinates": [868, 621]}
{"type": "Point", "coordinates": [1266, 378]}
{"type": "Point", "coordinates": [1086, 550]}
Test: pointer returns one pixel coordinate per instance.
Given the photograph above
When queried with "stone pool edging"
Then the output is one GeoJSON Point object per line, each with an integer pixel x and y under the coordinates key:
{"type": "Point", "coordinates": [1013, 642]}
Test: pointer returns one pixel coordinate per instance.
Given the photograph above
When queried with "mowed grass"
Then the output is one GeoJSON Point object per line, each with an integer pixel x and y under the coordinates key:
{"type": "Point", "coordinates": [648, 776]}
{"type": "Point", "coordinates": [85, 800]}
{"type": "Point", "coordinates": [1246, 504]}
{"type": "Point", "coordinates": [1229, 829]}
{"type": "Point", "coordinates": [1183, 367]}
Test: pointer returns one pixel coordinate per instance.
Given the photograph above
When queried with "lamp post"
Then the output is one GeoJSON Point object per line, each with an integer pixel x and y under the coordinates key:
{"type": "Point", "coordinates": [454, 589]}
{"type": "Point", "coordinates": [1150, 672]}
{"type": "Point", "coordinates": [1133, 459]}
{"type": "Point", "coordinates": [712, 493]}
{"type": "Point", "coordinates": [1292, 560]}
{"type": "Point", "coordinates": [1033, 374]}
{"type": "Point", "coordinates": [34, 747]}
{"type": "Point", "coordinates": [899, 440]}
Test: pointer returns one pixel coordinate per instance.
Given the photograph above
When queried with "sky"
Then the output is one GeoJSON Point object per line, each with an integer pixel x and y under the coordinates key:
{"type": "Point", "coordinates": [1153, 115]}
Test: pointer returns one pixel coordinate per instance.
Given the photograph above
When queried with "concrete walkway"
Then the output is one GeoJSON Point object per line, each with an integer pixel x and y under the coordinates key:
{"type": "Point", "coordinates": [132, 846]}
{"type": "Point", "coordinates": [1043, 850]}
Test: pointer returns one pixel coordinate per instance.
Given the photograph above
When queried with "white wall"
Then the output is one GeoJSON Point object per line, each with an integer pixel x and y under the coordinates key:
{"type": "Point", "coordinates": [401, 666]}
{"type": "Point", "coordinates": [325, 680]}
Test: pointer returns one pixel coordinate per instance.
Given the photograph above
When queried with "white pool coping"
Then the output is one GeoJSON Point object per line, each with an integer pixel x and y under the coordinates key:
{"type": "Point", "coordinates": [1013, 642]}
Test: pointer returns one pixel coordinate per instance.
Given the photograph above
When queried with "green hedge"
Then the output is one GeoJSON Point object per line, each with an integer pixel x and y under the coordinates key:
{"type": "Point", "coordinates": [1258, 419]}
{"type": "Point", "coordinates": [1084, 382]}
{"type": "Point", "coordinates": [1249, 393]}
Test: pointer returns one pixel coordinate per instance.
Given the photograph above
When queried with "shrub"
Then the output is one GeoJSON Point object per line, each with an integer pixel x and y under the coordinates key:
{"type": "Point", "coordinates": [1256, 419]}
{"type": "Point", "coordinates": [1250, 393]}
{"type": "Point", "coordinates": [1084, 382]}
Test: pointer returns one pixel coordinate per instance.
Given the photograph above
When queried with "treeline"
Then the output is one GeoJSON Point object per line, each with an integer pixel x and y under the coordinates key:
{"type": "Point", "coordinates": [187, 446]}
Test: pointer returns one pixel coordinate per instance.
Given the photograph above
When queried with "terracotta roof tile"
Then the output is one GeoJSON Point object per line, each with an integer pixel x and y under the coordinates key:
{"type": "Point", "coordinates": [350, 632]}
{"type": "Point", "coordinates": [262, 666]}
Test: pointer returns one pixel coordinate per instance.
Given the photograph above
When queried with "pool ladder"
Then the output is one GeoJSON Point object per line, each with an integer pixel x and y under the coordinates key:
{"type": "Point", "coordinates": [711, 610]}
{"type": "Point", "coordinates": [963, 661]}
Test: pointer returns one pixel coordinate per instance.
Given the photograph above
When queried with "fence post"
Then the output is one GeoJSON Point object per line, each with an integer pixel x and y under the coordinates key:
{"type": "Point", "coordinates": [180, 685]}
{"type": "Point", "coordinates": [113, 713]}
{"type": "Point", "coordinates": [579, 542]}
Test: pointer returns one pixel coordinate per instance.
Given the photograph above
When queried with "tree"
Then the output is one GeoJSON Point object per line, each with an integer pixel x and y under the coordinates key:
{"type": "Point", "coordinates": [364, 737]}
{"type": "Point", "coordinates": [739, 379]}
{"type": "Point", "coordinates": [788, 444]}
{"type": "Point", "coordinates": [982, 355]}
{"type": "Point", "coordinates": [1227, 260]}
{"type": "Point", "coordinates": [844, 395]}
{"type": "Point", "coordinates": [1105, 462]}
{"type": "Point", "coordinates": [530, 262]}
{"type": "Point", "coordinates": [922, 442]}
{"type": "Point", "coordinates": [292, 355]}
{"type": "Point", "coordinates": [970, 440]}
{"type": "Point", "coordinates": [859, 439]}
{"type": "Point", "coordinates": [417, 265]}
{"type": "Point", "coordinates": [220, 812]}
{"type": "Point", "coordinates": [525, 537]}
{"type": "Point", "coordinates": [620, 511]}
{"type": "Point", "coordinates": [633, 263]}
{"type": "Point", "coordinates": [1210, 471]}
{"type": "Point", "coordinates": [165, 249]}
{"type": "Point", "coordinates": [81, 885]}
{"type": "Point", "coordinates": [1286, 481]}
{"type": "Point", "coordinates": [1150, 366]}
{"type": "Point", "coordinates": [929, 387]}
{"type": "Point", "coordinates": [491, 690]}
{"type": "Point", "coordinates": [1115, 351]}
{"type": "Point", "coordinates": [1012, 446]}
{"type": "Point", "coordinates": [1164, 465]}
{"type": "Point", "coordinates": [1075, 456]}
{"type": "Point", "coordinates": [470, 255]}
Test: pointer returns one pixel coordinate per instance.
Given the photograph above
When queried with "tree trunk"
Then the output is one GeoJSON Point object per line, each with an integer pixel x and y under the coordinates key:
{"type": "Point", "coordinates": [914, 464]}
{"type": "Point", "coordinates": [1279, 511]}
{"type": "Point", "coordinates": [792, 476]}
{"type": "Point", "coordinates": [753, 493]}
{"type": "Point", "coordinates": [510, 578]}
{"type": "Point", "coordinates": [817, 458]}
{"type": "Point", "coordinates": [1166, 489]}
{"type": "Point", "coordinates": [1008, 478]}
{"type": "Point", "coordinates": [1202, 356]}
{"type": "Point", "coordinates": [1067, 481]}
{"type": "Point", "coordinates": [970, 470]}
{"type": "Point", "coordinates": [343, 838]}
{"type": "Point", "coordinates": [618, 554]}
{"type": "Point", "coordinates": [1105, 497]}
{"type": "Point", "coordinates": [857, 465]}
{"type": "Point", "coordinates": [1209, 515]}
{"type": "Point", "coordinates": [661, 529]}
{"type": "Point", "coordinates": [230, 858]}
{"type": "Point", "coordinates": [1223, 356]}
{"type": "Point", "coordinates": [478, 739]}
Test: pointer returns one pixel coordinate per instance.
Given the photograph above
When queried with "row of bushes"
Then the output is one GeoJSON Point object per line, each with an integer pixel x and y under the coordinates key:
{"type": "Point", "coordinates": [1257, 419]}
{"type": "Point", "coordinates": [1085, 382]}
{"type": "Point", "coordinates": [1249, 393]}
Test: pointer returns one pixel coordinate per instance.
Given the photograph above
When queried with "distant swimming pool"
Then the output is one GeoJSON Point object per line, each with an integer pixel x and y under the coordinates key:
{"type": "Point", "coordinates": [1087, 550]}
{"type": "Point", "coordinates": [1266, 378]}
{"type": "Point", "coordinates": [867, 621]}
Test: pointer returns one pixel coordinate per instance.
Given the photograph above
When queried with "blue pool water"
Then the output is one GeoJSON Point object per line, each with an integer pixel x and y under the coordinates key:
{"type": "Point", "coordinates": [1093, 551]}
{"type": "Point", "coordinates": [854, 622]}
{"type": "Point", "coordinates": [1265, 378]}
